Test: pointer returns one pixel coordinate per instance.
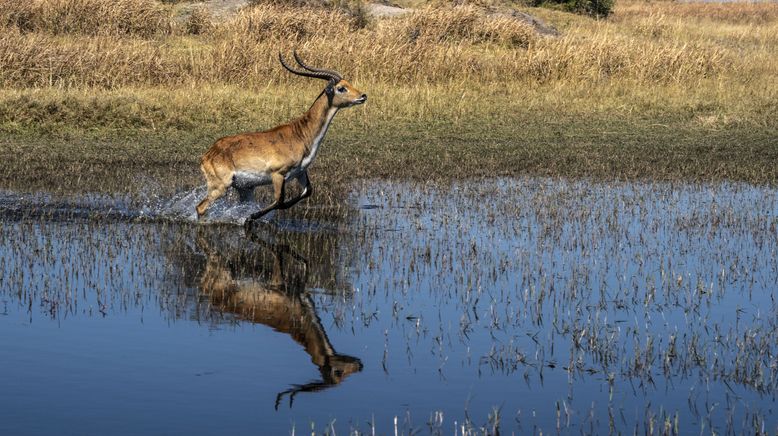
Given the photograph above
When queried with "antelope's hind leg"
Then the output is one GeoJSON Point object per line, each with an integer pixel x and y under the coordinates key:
{"type": "Point", "coordinates": [278, 199]}
{"type": "Point", "coordinates": [217, 187]}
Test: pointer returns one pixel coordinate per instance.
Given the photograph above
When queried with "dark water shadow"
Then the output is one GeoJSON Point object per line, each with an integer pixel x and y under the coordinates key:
{"type": "Point", "coordinates": [178, 208]}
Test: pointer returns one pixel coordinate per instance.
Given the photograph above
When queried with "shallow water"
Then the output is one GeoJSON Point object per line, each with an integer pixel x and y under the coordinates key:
{"type": "Point", "coordinates": [532, 304]}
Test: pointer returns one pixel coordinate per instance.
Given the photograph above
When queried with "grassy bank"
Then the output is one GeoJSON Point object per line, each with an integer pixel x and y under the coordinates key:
{"type": "Point", "coordinates": [658, 90]}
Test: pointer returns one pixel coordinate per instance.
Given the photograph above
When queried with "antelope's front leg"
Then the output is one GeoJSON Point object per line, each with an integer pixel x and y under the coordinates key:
{"type": "Point", "coordinates": [278, 199]}
{"type": "Point", "coordinates": [306, 192]}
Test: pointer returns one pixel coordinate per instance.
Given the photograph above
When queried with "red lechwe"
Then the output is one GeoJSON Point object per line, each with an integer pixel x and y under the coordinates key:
{"type": "Point", "coordinates": [274, 156]}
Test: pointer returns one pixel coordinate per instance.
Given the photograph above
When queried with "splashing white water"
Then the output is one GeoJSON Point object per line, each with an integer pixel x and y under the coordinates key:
{"type": "Point", "coordinates": [224, 211]}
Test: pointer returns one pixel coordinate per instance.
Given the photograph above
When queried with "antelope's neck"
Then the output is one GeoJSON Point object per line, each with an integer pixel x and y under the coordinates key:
{"type": "Point", "coordinates": [312, 335]}
{"type": "Point", "coordinates": [318, 119]}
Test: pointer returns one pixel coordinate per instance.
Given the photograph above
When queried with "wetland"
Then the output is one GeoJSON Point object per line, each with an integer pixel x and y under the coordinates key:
{"type": "Point", "coordinates": [541, 222]}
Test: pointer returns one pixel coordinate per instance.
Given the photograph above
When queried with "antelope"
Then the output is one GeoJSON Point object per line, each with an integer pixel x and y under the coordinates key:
{"type": "Point", "coordinates": [274, 156]}
{"type": "Point", "coordinates": [279, 301]}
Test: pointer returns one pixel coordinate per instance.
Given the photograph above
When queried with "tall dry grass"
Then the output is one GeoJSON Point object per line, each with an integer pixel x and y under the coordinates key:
{"type": "Point", "coordinates": [756, 13]}
{"type": "Point", "coordinates": [431, 45]}
{"type": "Point", "coordinates": [725, 62]}
{"type": "Point", "coordinates": [86, 17]}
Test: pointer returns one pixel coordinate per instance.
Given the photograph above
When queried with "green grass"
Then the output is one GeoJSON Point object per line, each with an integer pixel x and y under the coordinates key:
{"type": "Point", "coordinates": [600, 146]}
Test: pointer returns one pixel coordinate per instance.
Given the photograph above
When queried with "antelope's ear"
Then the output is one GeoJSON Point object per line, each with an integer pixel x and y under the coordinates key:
{"type": "Point", "coordinates": [330, 90]}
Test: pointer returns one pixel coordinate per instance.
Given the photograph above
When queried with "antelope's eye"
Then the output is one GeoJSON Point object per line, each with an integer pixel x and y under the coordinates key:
{"type": "Point", "coordinates": [342, 89]}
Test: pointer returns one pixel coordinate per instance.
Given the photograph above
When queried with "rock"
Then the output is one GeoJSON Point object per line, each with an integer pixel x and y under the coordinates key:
{"type": "Point", "coordinates": [385, 10]}
{"type": "Point", "coordinates": [540, 26]}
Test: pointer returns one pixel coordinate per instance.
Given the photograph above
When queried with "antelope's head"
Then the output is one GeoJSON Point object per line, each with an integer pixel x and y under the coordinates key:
{"type": "Point", "coordinates": [339, 92]}
{"type": "Point", "coordinates": [338, 367]}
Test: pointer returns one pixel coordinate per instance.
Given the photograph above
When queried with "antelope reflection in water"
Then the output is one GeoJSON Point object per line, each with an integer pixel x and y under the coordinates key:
{"type": "Point", "coordinates": [242, 285]}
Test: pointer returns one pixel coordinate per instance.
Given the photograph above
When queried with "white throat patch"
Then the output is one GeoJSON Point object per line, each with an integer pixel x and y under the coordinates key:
{"type": "Point", "coordinates": [307, 160]}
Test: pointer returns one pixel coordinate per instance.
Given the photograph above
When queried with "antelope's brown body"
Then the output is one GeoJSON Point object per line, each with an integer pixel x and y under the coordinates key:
{"type": "Point", "coordinates": [274, 156]}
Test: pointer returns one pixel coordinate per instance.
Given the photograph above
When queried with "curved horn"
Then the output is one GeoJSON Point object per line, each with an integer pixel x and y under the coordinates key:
{"type": "Point", "coordinates": [315, 75]}
{"type": "Point", "coordinates": [332, 73]}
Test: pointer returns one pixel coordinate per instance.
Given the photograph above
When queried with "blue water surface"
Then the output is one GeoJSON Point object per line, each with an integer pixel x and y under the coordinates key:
{"type": "Point", "coordinates": [529, 305]}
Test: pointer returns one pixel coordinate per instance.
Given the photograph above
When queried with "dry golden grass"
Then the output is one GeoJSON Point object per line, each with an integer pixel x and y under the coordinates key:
{"type": "Point", "coordinates": [87, 17]}
{"type": "Point", "coordinates": [721, 13]}
{"type": "Point", "coordinates": [199, 21]}
{"type": "Point", "coordinates": [464, 24]}
{"type": "Point", "coordinates": [432, 45]}
{"type": "Point", "coordinates": [643, 45]}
